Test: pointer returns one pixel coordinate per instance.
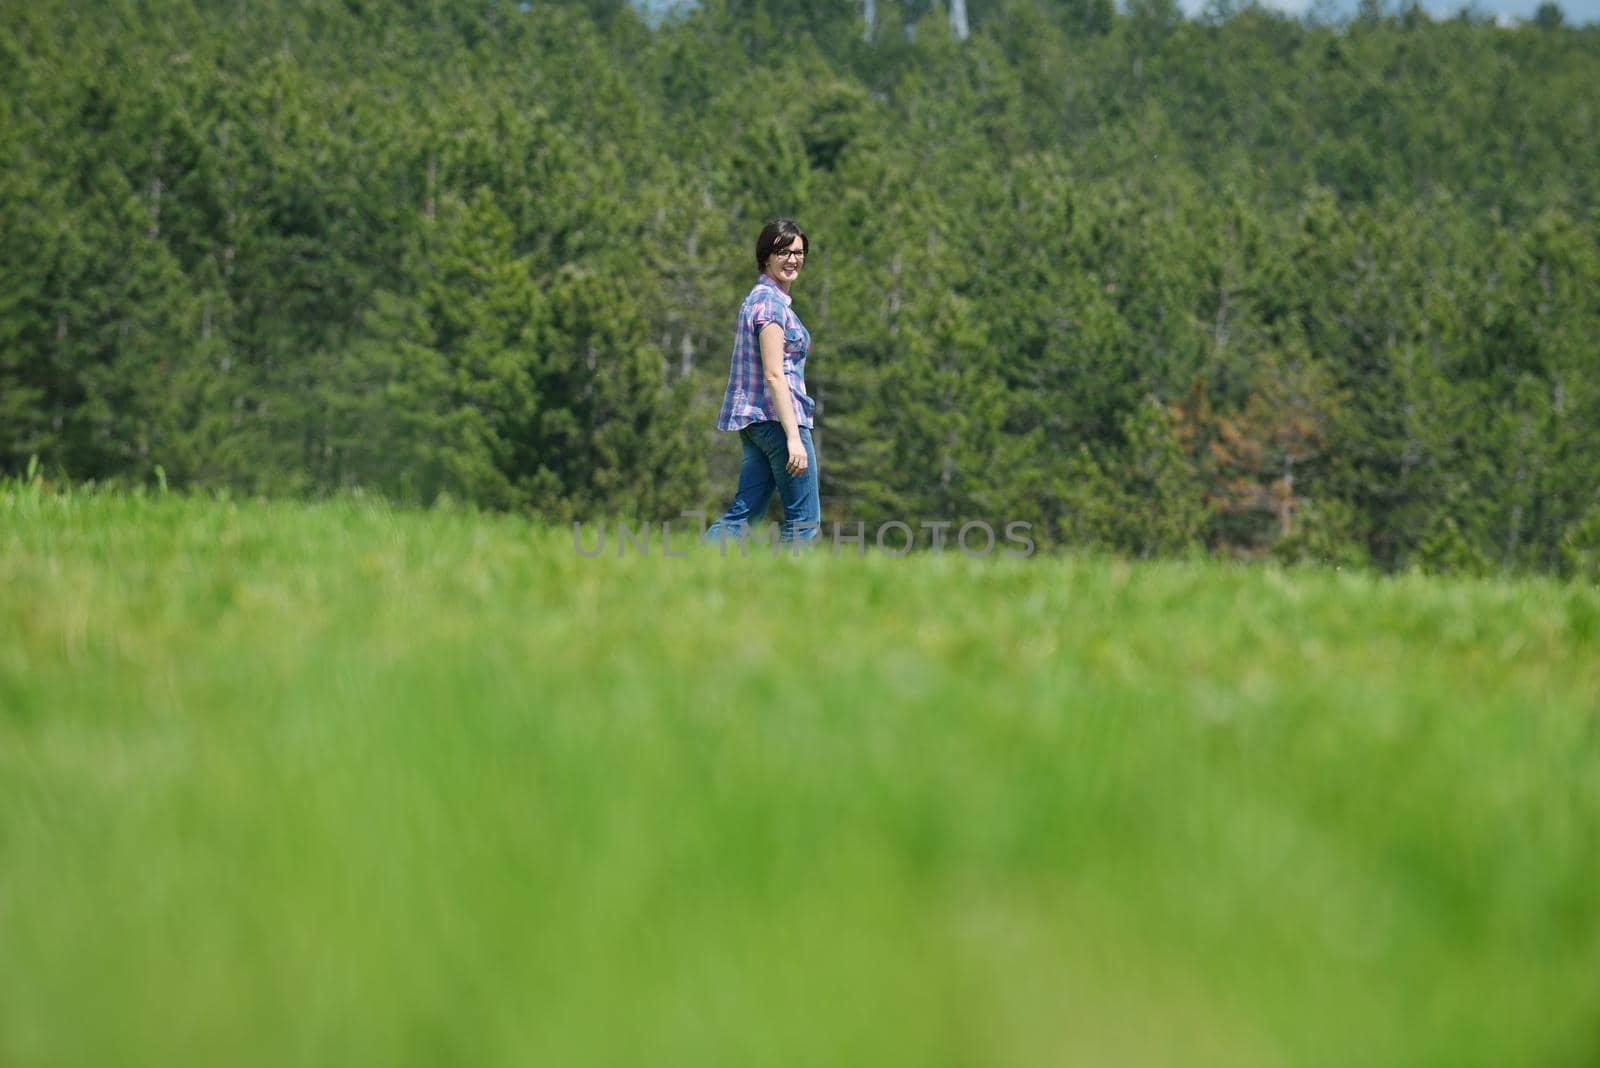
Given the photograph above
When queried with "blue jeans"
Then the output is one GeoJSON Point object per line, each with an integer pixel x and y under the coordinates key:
{"type": "Point", "coordinates": [765, 468]}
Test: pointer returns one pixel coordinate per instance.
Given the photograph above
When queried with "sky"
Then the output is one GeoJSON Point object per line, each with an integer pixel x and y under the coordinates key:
{"type": "Point", "coordinates": [1507, 11]}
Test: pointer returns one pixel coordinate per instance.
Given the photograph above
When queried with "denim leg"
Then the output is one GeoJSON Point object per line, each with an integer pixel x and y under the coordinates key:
{"type": "Point", "coordinates": [750, 499]}
{"type": "Point", "coordinates": [802, 507]}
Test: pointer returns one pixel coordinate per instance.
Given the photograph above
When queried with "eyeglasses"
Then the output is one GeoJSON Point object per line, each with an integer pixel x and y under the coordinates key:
{"type": "Point", "coordinates": [790, 253]}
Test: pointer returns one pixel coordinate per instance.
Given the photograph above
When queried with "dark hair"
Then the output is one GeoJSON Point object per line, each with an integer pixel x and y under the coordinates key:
{"type": "Point", "coordinates": [778, 232]}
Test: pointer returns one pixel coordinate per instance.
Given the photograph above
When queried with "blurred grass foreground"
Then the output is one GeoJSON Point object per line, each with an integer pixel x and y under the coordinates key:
{"type": "Point", "coordinates": [287, 784]}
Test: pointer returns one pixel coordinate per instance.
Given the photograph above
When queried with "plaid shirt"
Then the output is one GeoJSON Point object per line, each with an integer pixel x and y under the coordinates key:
{"type": "Point", "coordinates": [747, 401]}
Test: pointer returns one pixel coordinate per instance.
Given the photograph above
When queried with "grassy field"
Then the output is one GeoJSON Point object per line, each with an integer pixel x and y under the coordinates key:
{"type": "Point", "coordinates": [334, 785]}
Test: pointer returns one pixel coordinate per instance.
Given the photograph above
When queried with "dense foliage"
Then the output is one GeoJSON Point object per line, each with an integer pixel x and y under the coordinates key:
{"type": "Point", "coordinates": [1244, 282]}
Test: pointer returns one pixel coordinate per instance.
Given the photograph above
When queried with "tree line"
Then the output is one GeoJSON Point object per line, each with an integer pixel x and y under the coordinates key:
{"type": "Point", "coordinates": [1243, 283]}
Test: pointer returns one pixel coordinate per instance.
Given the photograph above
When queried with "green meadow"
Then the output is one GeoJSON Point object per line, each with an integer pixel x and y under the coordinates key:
{"type": "Point", "coordinates": [333, 784]}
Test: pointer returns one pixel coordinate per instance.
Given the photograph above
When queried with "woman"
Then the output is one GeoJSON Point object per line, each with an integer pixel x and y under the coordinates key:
{"type": "Point", "coordinates": [766, 401]}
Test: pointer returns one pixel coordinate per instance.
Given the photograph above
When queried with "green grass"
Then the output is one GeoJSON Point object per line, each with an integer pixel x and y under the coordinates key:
{"type": "Point", "coordinates": [290, 785]}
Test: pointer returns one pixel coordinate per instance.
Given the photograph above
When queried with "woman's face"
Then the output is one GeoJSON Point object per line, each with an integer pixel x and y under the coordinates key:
{"type": "Point", "coordinates": [788, 256]}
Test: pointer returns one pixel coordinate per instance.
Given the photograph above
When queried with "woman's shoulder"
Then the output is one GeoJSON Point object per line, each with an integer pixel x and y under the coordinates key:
{"type": "Point", "coordinates": [765, 302]}
{"type": "Point", "coordinates": [761, 291]}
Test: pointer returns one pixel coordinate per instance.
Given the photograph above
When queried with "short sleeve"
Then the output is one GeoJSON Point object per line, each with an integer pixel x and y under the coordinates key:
{"type": "Point", "coordinates": [764, 310]}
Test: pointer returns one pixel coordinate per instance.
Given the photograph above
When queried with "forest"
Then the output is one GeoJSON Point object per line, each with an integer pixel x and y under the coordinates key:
{"type": "Point", "coordinates": [1242, 284]}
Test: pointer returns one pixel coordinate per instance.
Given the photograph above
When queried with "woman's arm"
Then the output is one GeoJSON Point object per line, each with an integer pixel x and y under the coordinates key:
{"type": "Point", "coordinates": [771, 338]}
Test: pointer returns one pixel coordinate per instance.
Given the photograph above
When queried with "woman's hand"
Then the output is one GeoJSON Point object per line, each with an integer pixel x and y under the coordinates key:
{"type": "Point", "coordinates": [798, 461]}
